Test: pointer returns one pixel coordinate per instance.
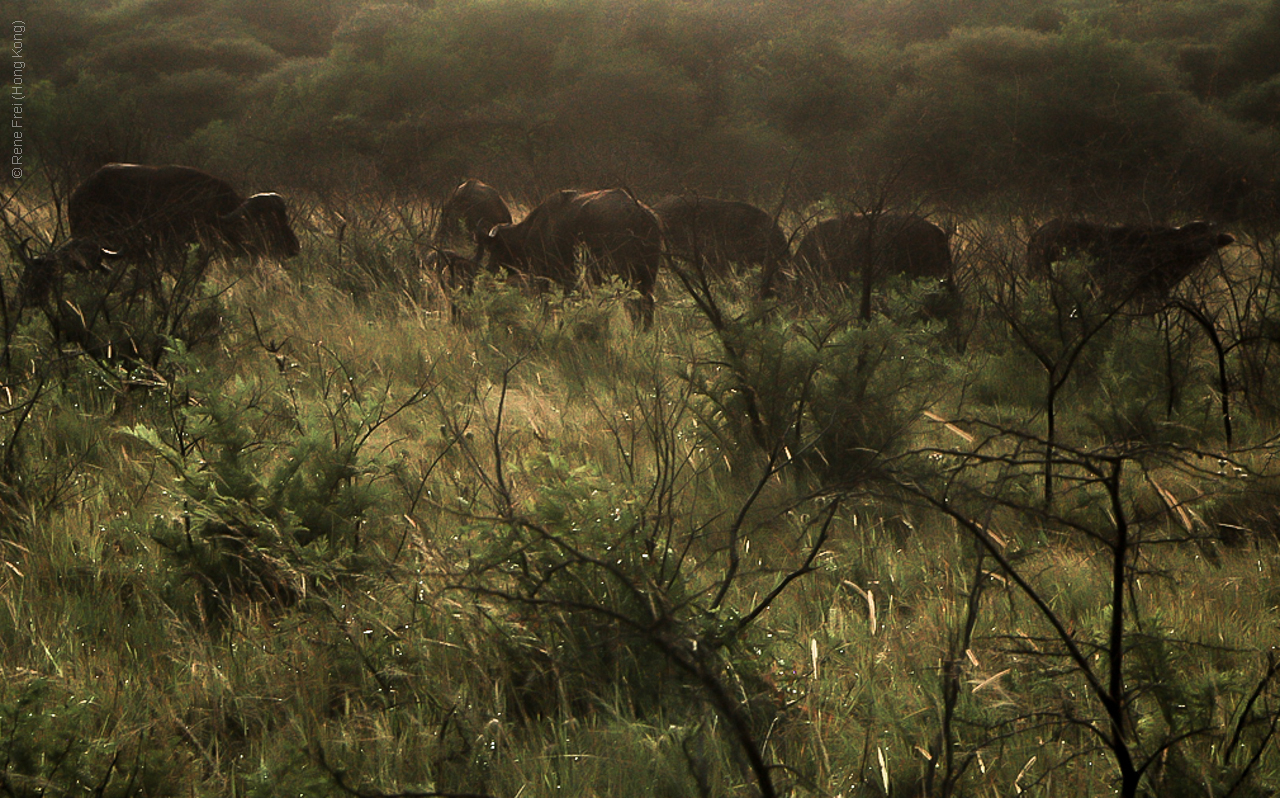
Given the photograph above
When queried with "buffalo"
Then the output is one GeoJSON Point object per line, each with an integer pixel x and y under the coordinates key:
{"type": "Point", "coordinates": [473, 209]}
{"type": "Point", "coordinates": [148, 211]}
{"type": "Point", "coordinates": [87, 313]}
{"type": "Point", "coordinates": [860, 250]}
{"type": "Point", "coordinates": [42, 275]}
{"type": "Point", "coordinates": [1127, 262]}
{"type": "Point", "coordinates": [619, 235]}
{"type": "Point", "coordinates": [723, 233]}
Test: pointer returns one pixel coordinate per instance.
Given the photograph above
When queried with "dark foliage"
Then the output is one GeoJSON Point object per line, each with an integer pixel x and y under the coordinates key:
{"type": "Point", "coordinates": [751, 100]}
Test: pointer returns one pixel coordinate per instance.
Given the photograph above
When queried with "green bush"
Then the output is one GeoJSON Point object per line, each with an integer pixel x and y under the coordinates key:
{"type": "Point", "coordinates": [193, 99]}
{"type": "Point", "coordinates": [818, 87]}
{"type": "Point", "coordinates": [51, 748]}
{"type": "Point", "coordinates": [825, 394]}
{"type": "Point", "coordinates": [272, 501]}
{"type": "Point", "coordinates": [154, 53]}
{"type": "Point", "coordinates": [1002, 109]}
{"type": "Point", "coordinates": [100, 118]}
{"type": "Point", "coordinates": [294, 28]}
{"type": "Point", "coordinates": [1258, 103]}
{"type": "Point", "coordinates": [1251, 47]}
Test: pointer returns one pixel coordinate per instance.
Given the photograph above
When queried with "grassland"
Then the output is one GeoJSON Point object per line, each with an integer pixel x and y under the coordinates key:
{"type": "Point", "coordinates": [324, 541]}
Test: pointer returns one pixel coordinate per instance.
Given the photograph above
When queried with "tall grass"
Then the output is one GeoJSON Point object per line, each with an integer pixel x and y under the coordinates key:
{"type": "Point", "coordinates": [346, 546]}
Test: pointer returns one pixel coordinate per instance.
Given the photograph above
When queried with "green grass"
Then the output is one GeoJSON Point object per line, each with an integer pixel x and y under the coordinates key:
{"type": "Point", "coordinates": [349, 547]}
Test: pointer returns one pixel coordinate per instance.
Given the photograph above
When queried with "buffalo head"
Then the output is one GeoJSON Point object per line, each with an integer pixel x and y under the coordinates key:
{"type": "Point", "coordinates": [473, 209]}
{"type": "Point", "coordinates": [41, 273]}
{"type": "Point", "coordinates": [260, 227]}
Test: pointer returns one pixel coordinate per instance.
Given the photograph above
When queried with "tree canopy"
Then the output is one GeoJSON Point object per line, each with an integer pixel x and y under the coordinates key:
{"type": "Point", "coordinates": [1048, 102]}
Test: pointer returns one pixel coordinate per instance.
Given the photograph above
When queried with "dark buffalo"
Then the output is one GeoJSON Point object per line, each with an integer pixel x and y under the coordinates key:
{"type": "Point", "coordinates": [889, 243]}
{"type": "Point", "coordinates": [860, 250]}
{"type": "Point", "coordinates": [618, 234]}
{"type": "Point", "coordinates": [472, 210]}
{"type": "Point", "coordinates": [1252, 205]}
{"type": "Point", "coordinates": [1139, 262]}
{"type": "Point", "coordinates": [80, 314]}
{"type": "Point", "coordinates": [146, 211]}
{"type": "Point", "coordinates": [724, 233]}
{"type": "Point", "coordinates": [43, 273]}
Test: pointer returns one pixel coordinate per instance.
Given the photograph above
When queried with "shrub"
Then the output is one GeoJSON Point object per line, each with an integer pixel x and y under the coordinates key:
{"type": "Point", "coordinates": [1005, 109]}
{"type": "Point", "coordinates": [1252, 47]}
{"type": "Point", "coordinates": [157, 51]}
{"type": "Point", "coordinates": [50, 748]}
{"type": "Point", "coordinates": [816, 87]}
{"type": "Point", "coordinates": [271, 499]}
{"type": "Point", "coordinates": [191, 100]}
{"type": "Point", "coordinates": [823, 394]}
{"type": "Point", "coordinates": [291, 27]}
{"type": "Point", "coordinates": [1258, 103]}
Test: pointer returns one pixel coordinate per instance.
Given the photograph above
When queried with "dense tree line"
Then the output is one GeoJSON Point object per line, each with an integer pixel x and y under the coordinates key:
{"type": "Point", "coordinates": [1168, 107]}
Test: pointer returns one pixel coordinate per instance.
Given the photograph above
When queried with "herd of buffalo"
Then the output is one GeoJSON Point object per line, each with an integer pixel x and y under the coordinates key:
{"type": "Point", "coordinates": [144, 213]}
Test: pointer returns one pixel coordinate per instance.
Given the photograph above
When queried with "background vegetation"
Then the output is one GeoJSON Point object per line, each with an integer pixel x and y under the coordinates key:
{"type": "Point", "coordinates": [1160, 106]}
{"type": "Point", "coordinates": [323, 529]}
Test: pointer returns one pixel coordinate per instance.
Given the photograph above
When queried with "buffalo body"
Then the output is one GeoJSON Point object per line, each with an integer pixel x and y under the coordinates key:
{"type": "Point", "coordinates": [723, 233]}
{"type": "Point", "coordinates": [146, 211]}
{"type": "Point", "coordinates": [1142, 262]}
{"type": "Point", "coordinates": [617, 234]}
{"type": "Point", "coordinates": [837, 251]}
{"type": "Point", "coordinates": [861, 250]}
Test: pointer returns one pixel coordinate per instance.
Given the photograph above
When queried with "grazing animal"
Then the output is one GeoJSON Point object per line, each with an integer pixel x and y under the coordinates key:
{"type": "Point", "coordinates": [472, 210]}
{"type": "Point", "coordinates": [148, 211]}
{"type": "Point", "coordinates": [82, 314]}
{"type": "Point", "coordinates": [1127, 262]}
{"type": "Point", "coordinates": [618, 234]}
{"type": "Point", "coordinates": [724, 233]}
{"type": "Point", "coordinates": [42, 274]}
{"type": "Point", "coordinates": [854, 250]}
